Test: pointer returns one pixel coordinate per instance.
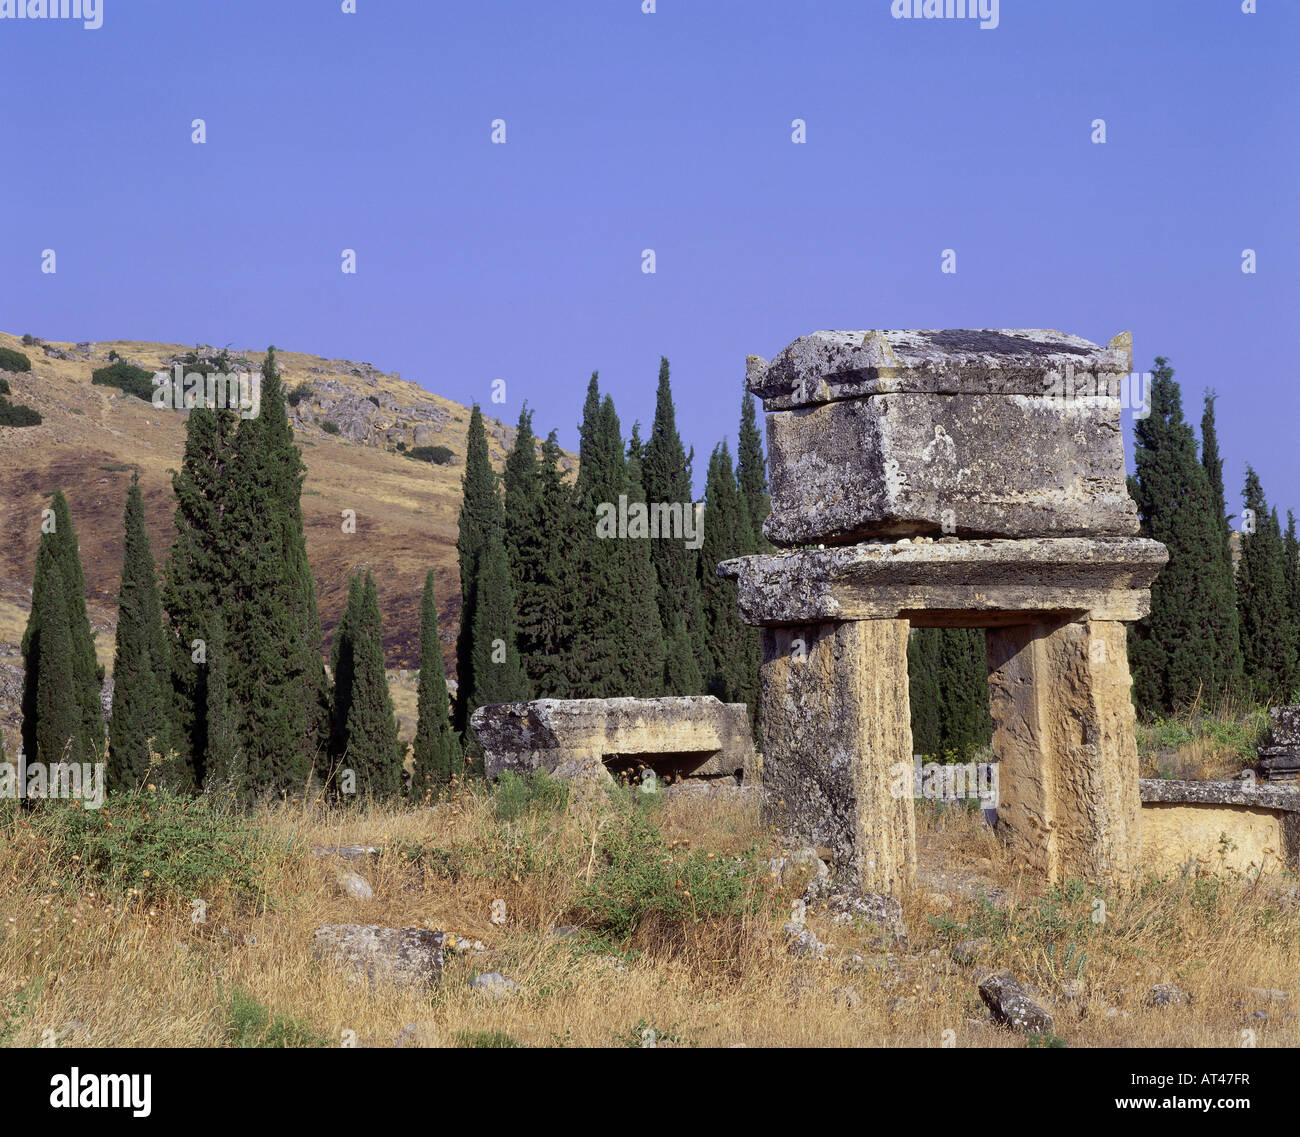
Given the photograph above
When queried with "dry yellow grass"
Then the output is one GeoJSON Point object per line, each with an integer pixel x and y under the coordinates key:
{"type": "Point", "coordinates": [114, 972]}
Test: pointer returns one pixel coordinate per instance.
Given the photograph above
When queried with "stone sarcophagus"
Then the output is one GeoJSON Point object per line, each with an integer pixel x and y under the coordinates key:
{"type": "Point", "coordinates": [965, 433]}
{"type": "Point", "coordinates": [949, 479]}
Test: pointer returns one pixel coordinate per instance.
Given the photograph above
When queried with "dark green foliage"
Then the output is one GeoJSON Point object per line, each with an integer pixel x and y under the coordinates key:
{"type": "Point", "coordinates": [752, 471]}
{"type": "Point", "coordinates": [438, 455]}
{"type": "Point", "coordinates": [1267, 637]}
{"type": "Point", "coordinates": [365, 727]}
{"type": "Point", "coordinates": [373, 399]}
{"type": "Point", "coordinates": [239, 548]}
{"type": "Point", "coordinates": [641, 639]}
{"type": "Point", "coordinates": [298, 392]}
{"type": "Point", "coordinates": [545, 533]}
{"type": "Point", "coordinates": [666, 473]}
{"type": "Point", "coordinates": [1174, 653]}
{"type": "Point", "coordinates": [642, 878]}
{"type": "Point", "coordinates": [436, 756]}
{"type": "Point", "coordinates": [249, 1025]}
{"type": "Point", "coordinates": [142, 665]}
{"type": "Point", "coordinates": [14, 361]}
{"type": "Point", "coordinates": [481, 519]}
{"type": "Point", "coordinates": [947, 675]}
{"type": "Point", "coordinates": [4, 386]}
{"type": "Point", "coordinates": [16, 414]}
{"type": "Point", "coordinates": [1291, 572]}
{"type": "Point", "coordinates": [515, 797]}
{"type": "Point", "coordinates": [29, 339]}
{"type": "Point", "coordinates": [1225, 623]}
{"type": "Point", "coordinates": [923, 690]}
{"type": "Point", "coordinates": [329, 427]}
{"type": "Point", "coordinates": [225, 771]}
{"type": "Point", "coordinates": [126, 377]}
{"type": "Point", "coordinates": [730, 660]}
{"type": "Point", "coordinates": [62, 716]}
{"type": "Point", "coordinates": [496, 673]}
{"type": "Point", "coordinates": [165, 846]}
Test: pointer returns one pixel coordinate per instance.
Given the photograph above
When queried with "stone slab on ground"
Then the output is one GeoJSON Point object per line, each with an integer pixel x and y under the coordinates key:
{"type": "Point", "coordinates": [404, 957]}
{"type": "Point", "coordinates": [693, 735]}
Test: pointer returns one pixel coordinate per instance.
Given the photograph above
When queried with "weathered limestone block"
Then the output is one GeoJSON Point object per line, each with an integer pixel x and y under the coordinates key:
{"type": "Point", "coordinates": [968, 433]}
{"type": "Point", "coordinates": [1279, 757]}
{"type": "Point", "coordinates": [965, 465]}
{"type": "Point", "coordinates": [970, 583]}
{"type": "Point", "coordinates": [688, 735]}
{"type": "Point", "coordinates": [1233, 826]}
{"type": "Point", "coordinates": [1063, 726]}
{"type": "Point", "coordinates": [404, 957]}
{"type": "Point", "coordinates": [836, 734]}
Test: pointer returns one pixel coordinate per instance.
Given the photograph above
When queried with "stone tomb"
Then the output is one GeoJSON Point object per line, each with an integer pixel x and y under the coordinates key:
{"type": "Point", "coordinates": [1007, 443]}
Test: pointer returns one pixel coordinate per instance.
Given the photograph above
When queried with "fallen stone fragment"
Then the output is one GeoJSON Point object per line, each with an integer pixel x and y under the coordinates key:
{"type": "Point", "coordinates": [494, 984]}
{"type": "Point", "coordinates": [1012, 1006]}
{"type": "Point", "coordinates": [405, 957]}
{"type": "Point", "coordinates": [802, 943]}
{"type": "Point", "coordinates": [356, 886]}
{"type": "Point", "coordinates": [346, 852]}
{"type": "Point", "coordinates": [1166, 995]}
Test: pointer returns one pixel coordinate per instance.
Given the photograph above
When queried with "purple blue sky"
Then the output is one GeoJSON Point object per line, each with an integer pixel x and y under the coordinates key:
{"type": "Point", "coordinates": [669, 131]}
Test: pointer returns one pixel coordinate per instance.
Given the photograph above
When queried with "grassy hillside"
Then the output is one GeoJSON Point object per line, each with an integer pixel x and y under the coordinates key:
{"type": "Point", "coordinates": [92, 437]}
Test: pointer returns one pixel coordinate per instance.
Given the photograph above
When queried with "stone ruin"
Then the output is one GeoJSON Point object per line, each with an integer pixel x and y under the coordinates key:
{"type": "Point", "coordinates": [1279, 757]}
{"type": "Point", "coordinates": [948, 479]}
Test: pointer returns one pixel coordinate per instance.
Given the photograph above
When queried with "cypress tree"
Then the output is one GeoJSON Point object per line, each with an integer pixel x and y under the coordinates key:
{"type": "Point", "coordinates": [62, 715]}
{"type": "Point", "coordinates": [641, 632]}
{"type": "Point", "coordinates": [523, 520]}
{"type": "Point", "coordinates": [1267, 644]}
{"type": "Point", "coordinates": [436, 755]}
{"type": "Point", "coordinates": [141, 668]}
{"type": "Point", "coordinates": [965, 722]}
{"type": "Point", "coordinates": [224, 765]}
{"type": "Point", "coordinates": [727, 533]}
{"type": "Point", "coordinates": [923, 690]}
{"type": "Point", "coordinates": [198, 580]}
{"type": "Point", "coordinates": [498, 675]}
{"type": "Point", "coordinates": [1291, 573]}
{"type": "Point", "coordinates": [343, 668]}
{"type": "Point", "coordinates": [1173, 650]}
{"type": "Point", "coordinates": [752, 471]}
{"type": "Point", "coordinates": [286, 472]}
{"type": "Point", "coordinates": [599, 641]}
{"type": "Point", "coordinates": [1225, 625]}
{"type": "Point", "coordinates": [549, 596]}
{"type": "Point", "coordinates": [373, 751]}
{"type": "Point", "coordinates": [667, 475]}
{"type": "Point", "coordinates": [481, 517]}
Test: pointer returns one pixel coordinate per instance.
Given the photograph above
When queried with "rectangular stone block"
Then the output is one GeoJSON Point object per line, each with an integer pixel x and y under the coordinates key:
{"type": "Point", "coordinates": [965, 465]}
{"type": "Point", "coordinates": [990, 433]}
{"type": "Point", "coordinates": [1063, 730]}
{"type": "Point", "coordinates": [837, 747]}
{"type": "Point", "coordinates": [694, 735]}
{"type": "Point", "coordinates": [1285, 725]}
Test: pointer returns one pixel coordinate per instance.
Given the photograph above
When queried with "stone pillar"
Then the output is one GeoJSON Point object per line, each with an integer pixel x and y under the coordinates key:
{"type": "Point", "coordinates": [837, 741]}
{"type": "Point", "coordinates": [1064, 736]}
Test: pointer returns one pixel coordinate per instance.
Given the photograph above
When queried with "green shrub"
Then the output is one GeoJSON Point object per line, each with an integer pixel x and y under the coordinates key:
{"type": "Point", "coordinates": [28, 339]}
{"type": "Point", "coordinates": [249, 1025]}
{"type": "Point", "coordinates": [373, 399]}
{"type": "Point", "coordinates": [438, 455]}
{"type": "Point", "coordinates": [486, 1040]}
{"type": "Point", "coordinates": [299, 392]}
{"type": "Point", "coordinates": [126, 377]}
{"type": "Point", "coordinates": [401, 446]}
{"type": "Point", "coordinates": [11, 360]}
{"type": "Point", "coordinates": [538, 793]}
{"type": "Point", "coordinates": [643, 877]}
{"type": "Point", "coordinates": [15, 414]}
{"type": "Point", "coordinates": [159, 843]}
{"type": "Point", "coordinates": [4, 385]}
{"type": "Point", "coordinates": [329, 427]}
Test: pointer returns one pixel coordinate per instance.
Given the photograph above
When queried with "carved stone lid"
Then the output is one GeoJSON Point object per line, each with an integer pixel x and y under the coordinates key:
{"type": "Point", "coordinates": [827, 365]}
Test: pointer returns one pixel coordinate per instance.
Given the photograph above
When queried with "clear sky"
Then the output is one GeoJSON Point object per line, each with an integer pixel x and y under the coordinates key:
{"type": "Point", "coordinates": [670, 131]}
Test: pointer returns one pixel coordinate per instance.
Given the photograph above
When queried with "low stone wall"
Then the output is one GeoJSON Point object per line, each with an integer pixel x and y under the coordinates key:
{"type": "Point", "coordinates": [1218, 826]}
